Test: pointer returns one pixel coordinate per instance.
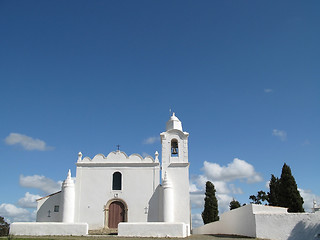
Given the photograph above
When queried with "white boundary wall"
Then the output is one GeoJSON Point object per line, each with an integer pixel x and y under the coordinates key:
{"type": "Point", "coordinates": [48, 228]}
{"type": "Point", "coordinates": [159, 229]}
{"type": "Point", "coordinates": [239, 221]}
{"type": "Point", "coordinates": [290, 226]}
{"type": "Point", "coordinates": [265, 222]}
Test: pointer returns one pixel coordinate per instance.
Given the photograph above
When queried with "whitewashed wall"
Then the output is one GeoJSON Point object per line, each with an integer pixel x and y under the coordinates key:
{"type": "Point", "coordinates": [179, 176]}
{"type": "Point", "coordinates": [140, 178]}
{"type": "Point", "coordinates": [265, 222]}
{"type": "Point", "coordinates": [292, 226]}
{"type": "Point", "coordinates": [46, 204]}
{"type": "Point", "coordinates": [239, 221]}
{"type": "Point", "coordinates": [47, 229]}
{"type": "Point", "coordinates": [154, 230]}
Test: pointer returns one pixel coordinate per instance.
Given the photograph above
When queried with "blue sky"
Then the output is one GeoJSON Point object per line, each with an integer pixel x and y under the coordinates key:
{"type": "Point", "coordinates": [242, 76]}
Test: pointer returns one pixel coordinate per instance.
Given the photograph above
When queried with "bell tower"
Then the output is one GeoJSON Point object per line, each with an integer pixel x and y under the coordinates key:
{"type": "Point", "coordinates": [174, 144]}
{"type": "Point", "coordinates": [175, 172]}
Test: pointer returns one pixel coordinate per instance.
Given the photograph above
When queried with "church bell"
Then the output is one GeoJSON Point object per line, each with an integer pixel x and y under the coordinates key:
{"type": "Point", "coordinates": [174, 151]}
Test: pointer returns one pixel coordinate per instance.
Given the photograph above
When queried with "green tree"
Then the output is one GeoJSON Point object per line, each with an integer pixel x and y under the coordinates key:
{"type": "Point", "coordinates": [234, 204]}
{"type": "Point", "coordinates": [273, 194]}
{"type": "Point", "coordinates": [289, 195]}
{"type": "Point", "coordinates": [4, 227]}
{"type": "Point", "coordinates": [210, 212]}
{"type": "Point", "coordinates": [261, 197]}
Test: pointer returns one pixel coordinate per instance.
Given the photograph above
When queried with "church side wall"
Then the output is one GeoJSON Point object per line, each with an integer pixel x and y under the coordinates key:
{"type": "Point", "coordinates": [48, 204]}
{"type": "Point", "coordinates": [94, 191]}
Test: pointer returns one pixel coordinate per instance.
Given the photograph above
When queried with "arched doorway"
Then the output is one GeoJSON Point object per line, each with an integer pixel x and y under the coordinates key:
{"type": "Point", "coordinates": [115, 212]}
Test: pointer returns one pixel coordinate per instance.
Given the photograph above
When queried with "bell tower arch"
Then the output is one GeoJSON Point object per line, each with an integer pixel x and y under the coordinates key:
{"type": "Point", "coordinates": [174, 144]}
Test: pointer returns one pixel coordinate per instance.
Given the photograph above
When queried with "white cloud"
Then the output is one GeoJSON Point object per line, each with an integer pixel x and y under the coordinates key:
{"type": "Point", "coordinates": [28, 201]}
{"type": "Point", "coordinates": [282, 135]}
{"type": "Point", "coordinates": [197, 200]}
{"type": "Point", "coordinates": [235, 190]}
{"type": "Point", "coordinates": [308, 198]}
{"type": "Point", "coordinates": [223, 190]}
{"type": "Point", "coordinates": [223, 202]}
{"type": "Point", "coordinates": [46, 185]}
{"type": "Point", "coordinates": [221, 187]}
{"type": "Point", "coordinates": [200, 183]}
{"type": "Point", "coordinates": [193, 188]}
{"type": "Point", "coordinates": [268, 90]}
{"type": "Point", "coordinates": [26, 142]}
{"type": "Point", "coordinates": [201, 180]}
{"type": "Point", "coordinates": [222, 177]}
{"type": "Point", "coordinates": [237, 169]}
{"type": "Point", "coordinates": [197, 220]}
{"type": "Point", "coordinates": [268, 185]}
{"type": "Point", "coordinates": [151, 140]}
{"type": "Point", "coordinates": [15, 214]}
{"type": "Point", "coordinates": [196, 195]}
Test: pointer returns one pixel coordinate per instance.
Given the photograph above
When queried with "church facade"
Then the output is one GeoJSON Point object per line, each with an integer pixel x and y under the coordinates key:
{"type": "Point", "coordinates": [108, 190]}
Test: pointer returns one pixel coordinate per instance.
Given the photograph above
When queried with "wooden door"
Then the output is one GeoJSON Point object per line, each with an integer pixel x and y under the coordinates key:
{"type": "Point", "coordinates": [116, 214]}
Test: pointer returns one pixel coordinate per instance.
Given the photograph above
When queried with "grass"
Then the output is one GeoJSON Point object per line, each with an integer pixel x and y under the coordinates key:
{"type": "Point", "coordinates": [115, 237]}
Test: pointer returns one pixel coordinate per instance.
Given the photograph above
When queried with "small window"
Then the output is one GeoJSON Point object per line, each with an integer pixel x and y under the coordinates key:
{"type": "Point", "coordinates": [174, 148]}
{"type": "Point", "coordinates": [56, 208]}
{"type": "Point", "coordinates": [116, 181]}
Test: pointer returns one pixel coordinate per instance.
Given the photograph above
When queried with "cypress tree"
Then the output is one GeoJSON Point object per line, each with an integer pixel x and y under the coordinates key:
{"type": "Point", "coordinates": [289, 196]}
{"type": "Point", "coordinates": [210, 212]}
{"type": "Point", "coordinates": [273, 195]}
{"type": "Point", "coordinates": [261, 197]}
{"type": "Point", "coordinates": [234, 204]}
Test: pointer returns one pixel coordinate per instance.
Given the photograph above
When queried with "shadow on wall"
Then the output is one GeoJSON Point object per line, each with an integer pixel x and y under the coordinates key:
{"type": "Point", "coordinates": [305, 231]}
{"type": "Point", "coordinates": [51, 209]}
{"type": "Point", "coordinates": [154, 206]}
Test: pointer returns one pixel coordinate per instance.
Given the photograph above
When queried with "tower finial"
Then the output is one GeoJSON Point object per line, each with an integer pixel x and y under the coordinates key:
{"type": "Point", "coordinates": [79, 156]}
{"type": "Point", "coordinates": [156, 154]}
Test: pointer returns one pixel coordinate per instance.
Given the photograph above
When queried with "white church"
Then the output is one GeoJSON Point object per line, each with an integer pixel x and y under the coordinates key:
{"type": "Point", "coordinates": [141, 197]}
{"type": "Point", "coordinates": [122, 193]}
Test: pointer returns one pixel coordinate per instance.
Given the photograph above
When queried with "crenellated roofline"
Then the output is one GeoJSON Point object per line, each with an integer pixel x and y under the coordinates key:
{"type": "Point", "coordinates": [117, 157]}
